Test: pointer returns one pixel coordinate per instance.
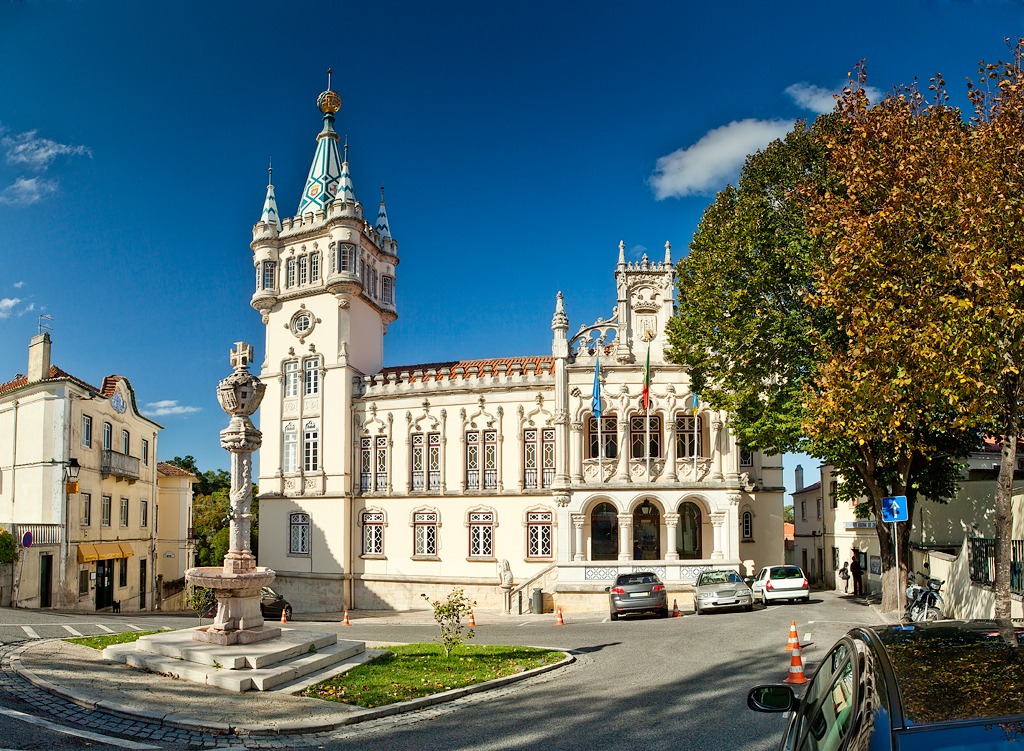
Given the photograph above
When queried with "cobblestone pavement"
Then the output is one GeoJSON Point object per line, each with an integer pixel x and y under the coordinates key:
{"type": "Point", "coordinates": [19, 694]}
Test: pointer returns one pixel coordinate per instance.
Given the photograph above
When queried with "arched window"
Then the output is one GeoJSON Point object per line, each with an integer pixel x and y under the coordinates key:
{"type": "Point", "coordinates": [298, 534]}
{"type": "Point", "coordinates": [607, 437]}
{"type": "Point", "coordinates": [604, 533]}
{"type": "Point", "coordinates": [747, 525]}
{"type": "Point", "coordinates": [638, 436]}
{"type": "Point", "coordinates": [689, 436]}
{"type": "Point", "coordinates": [373, 532]}
{"type": "Point", "coordinates": [688, 533]}
{"type": "Point", "coordinates": [348, 258]}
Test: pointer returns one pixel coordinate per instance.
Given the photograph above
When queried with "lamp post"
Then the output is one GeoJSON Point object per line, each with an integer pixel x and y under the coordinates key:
{"type": "Point", "coordinates": [71, 470]}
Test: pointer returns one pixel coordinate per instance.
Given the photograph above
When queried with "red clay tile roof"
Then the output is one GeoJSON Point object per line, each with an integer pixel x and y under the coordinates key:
{"type": "Point", "coordinates": [56, 374]}
{"type": "Point", "coordinates": [173, 470]}
{"type": "Point", "coordinates": [498, 366]}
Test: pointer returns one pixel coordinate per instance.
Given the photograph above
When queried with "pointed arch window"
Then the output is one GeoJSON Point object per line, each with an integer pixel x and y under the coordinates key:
{"type": "Point", "coordinates": [387, 290]}
{"type": "Point", "coordinates": [269, 275]}
{"type": "Point", "coordinates": [689, 435]}
{"type": "Point", "coordinates": [638, 437]}
{"type": "Point", "coordinates": [747, 526]}
{"type": "Point", "coordinates": [608, 436]}
{"type": "Point", "coordinates": [348, 258]}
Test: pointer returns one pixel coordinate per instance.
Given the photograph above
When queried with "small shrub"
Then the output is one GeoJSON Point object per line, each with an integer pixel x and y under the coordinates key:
{"type": "Point", "coordinates": [449, 615]}
{"type": "Point", "coordinates": [200, 600]}
{"type": "Point", "coordinates": [8, 547]}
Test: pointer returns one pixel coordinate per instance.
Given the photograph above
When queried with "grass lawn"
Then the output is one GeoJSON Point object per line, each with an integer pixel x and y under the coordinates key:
{"type": "Point", "coordinates": [410, 671]}
{"type": "Point", "coordinates": [101, 641]}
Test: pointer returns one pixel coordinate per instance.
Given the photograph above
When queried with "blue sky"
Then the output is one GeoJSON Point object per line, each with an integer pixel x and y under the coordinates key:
{"type": "Point", "coordinates": [518, 144]}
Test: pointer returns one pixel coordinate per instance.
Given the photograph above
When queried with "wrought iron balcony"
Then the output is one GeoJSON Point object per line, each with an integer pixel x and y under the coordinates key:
{"type": "Point", "coordinates": [120, 465]}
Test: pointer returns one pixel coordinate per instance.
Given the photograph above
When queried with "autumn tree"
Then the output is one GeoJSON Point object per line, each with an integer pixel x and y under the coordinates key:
{"type": "Point", "coordinates": [762, 341]}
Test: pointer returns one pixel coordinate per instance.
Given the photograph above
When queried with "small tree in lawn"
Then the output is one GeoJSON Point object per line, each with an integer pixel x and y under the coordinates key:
{"type": "Point", "coordinates": [199, 600]}
{"type": "Point", "coordinates": [449, 615]}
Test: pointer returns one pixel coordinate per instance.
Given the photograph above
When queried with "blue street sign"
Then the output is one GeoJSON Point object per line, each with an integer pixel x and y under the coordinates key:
{"type": "Point", "coordinates": [894, 509]}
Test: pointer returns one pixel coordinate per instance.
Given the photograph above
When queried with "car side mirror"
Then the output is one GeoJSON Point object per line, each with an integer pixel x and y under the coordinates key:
{"type": "Point", "coordinates": [774, 698]}
{"type": "Point", "coordinates": [748, 581]}
{"type": "Point", "coordinates": [607, 589]}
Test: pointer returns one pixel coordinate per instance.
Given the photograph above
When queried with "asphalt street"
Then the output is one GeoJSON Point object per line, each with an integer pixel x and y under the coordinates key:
{"type": "Point", "coordinates": [637, 683]}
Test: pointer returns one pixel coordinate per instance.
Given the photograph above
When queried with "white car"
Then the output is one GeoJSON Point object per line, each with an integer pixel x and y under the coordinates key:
{"type": "Point", "coordinates": [775, 583]}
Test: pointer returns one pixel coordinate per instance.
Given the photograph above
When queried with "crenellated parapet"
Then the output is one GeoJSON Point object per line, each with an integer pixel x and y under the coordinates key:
{"type": "Point", "coordinates": [459, 376]}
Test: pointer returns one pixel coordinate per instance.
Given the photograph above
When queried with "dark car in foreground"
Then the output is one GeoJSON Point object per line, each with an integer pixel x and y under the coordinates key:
{"type": "Point", "coordinates": [639, 592]}
{"type": "Point", "coordinates": [272, 603]}
{"type": "Point", "coordinates": [917, 687]}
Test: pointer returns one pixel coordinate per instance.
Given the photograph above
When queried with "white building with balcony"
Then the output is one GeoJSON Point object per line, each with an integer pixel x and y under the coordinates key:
{"type": "Point", "coordinates": [381, 482]}
{"type": "Point", "coordinates": [86, 544]}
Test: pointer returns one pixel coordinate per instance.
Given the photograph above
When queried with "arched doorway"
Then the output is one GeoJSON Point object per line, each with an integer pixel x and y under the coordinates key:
{"type": "Point", "coordinates": [688, 533]}
{"type": "Point", "coordinates": [646, 532]}
{"type": "Point", "coordinates": [604, 533]}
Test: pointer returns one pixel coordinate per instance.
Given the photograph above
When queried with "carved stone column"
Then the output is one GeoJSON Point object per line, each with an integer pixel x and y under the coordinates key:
{"type": "Point", "coordinates": [625, 537]}
{"type": "Point", "coordinates": [622, 435]}
{"type": "Point", "coordinates": [578, 520]}
{"type": "Point", "coordinates": [670, 453]}
{"type": "Point", "coordinates": [717, 448]}
{"type": "Point", "coordinates": [671, 531]}
{"type": "Point", "coordinates": [576, 436]}
{"type": "Point", "coordinates": [718, 529]}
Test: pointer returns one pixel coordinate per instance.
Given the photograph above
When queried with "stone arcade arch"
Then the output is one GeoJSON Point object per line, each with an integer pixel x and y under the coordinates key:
{"type": "Point", "coordinates": [604, 532]}
{"type": "Point", "coordinates": [647, 520]}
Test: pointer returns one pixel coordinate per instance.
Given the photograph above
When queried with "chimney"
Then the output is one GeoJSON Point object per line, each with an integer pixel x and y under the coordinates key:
{"type": "Point", "coordinates": [39, 357]}
{"type": "Point", "coordinates": [798, 474]}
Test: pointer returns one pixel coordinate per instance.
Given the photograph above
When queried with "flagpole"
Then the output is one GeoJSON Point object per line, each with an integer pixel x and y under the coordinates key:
{"type": "Point", "coordinates": [647, 405]}
{"type": "Point", "coordinates": [595, 408]}
{"type": "Point", "coordinates": [696, 435]}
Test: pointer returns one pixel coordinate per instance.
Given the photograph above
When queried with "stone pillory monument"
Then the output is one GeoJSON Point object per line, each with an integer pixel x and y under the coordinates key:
{"type": "Point", "coordinates": [237, 583]}
{"type": "Point", "coordinates": [238, 651]}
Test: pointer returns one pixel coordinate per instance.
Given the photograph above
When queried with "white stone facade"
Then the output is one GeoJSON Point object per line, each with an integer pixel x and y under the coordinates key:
{"type": "Point", "coordinates": [379, 484]}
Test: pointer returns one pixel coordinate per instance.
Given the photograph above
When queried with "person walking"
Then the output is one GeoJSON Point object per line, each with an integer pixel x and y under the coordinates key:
{"type": "Point", "coordinates": [855, 572]}
{"type": "Point", "coordinates": [844, 574]}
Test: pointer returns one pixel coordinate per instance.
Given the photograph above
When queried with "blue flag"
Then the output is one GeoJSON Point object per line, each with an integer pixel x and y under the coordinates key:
{"type": "Point", "coordinates": [595, 404]}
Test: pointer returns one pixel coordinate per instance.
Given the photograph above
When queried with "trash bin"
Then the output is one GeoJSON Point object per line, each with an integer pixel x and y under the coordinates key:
{"type": "Point", "coordinates": [537, 606]}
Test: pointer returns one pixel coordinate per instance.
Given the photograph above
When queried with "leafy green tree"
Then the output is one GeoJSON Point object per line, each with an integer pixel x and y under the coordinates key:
{"type": "Point", "coordinates": [8, 547]}
{"type": "Point", "coordinates": [450, 614]}
{"type": "Point", "coordinates": [200, 600]}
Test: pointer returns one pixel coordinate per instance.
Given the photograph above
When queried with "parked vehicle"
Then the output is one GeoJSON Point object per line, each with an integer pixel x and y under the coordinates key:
{"type": "Point", "coordinates": [720, 589]}
{"type": "Point", "coordinates": [639, 592]}
{"type": "Point", "coordinates": [272, 604]}
{"type": "Point", "coordinates": [923, 601]}
{"type": "Point", "coordinates": [922, 687]}
{"type": "Point", "coordinates": [775, 583]}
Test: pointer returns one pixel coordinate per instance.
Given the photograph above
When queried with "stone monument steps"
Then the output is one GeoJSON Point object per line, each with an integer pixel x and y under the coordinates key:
{"type": "Point", "coordinates": [301, 684]}
{"type": "Point", "coordinates": [259, 666]}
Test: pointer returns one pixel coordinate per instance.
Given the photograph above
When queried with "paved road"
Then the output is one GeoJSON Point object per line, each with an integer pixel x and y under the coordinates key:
{"type": "Point", "coordinates": [18, 626]}
{"type": "Point", "coordinates": [638, 683]}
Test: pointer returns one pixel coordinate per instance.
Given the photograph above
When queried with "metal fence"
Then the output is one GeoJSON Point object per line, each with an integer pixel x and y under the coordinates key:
{"type": "Point", "coordinates": [982, 551]}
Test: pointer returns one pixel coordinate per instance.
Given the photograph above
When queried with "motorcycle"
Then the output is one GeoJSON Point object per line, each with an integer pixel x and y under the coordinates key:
{"type": "Point", "coordinates": [923, 601]}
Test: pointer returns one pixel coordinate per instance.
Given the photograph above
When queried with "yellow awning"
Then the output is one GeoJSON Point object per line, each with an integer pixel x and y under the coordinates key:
{"type": "Point", "coordinates": [87, 552]}
{"type": "Point", "coordinates": [126, 549]}
{"type": "Point", "coordinates": [106, 550]}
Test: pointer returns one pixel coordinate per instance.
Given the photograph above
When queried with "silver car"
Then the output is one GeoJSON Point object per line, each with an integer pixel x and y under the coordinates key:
{"type": "Point", "coordinates": [639, 592]}
{"type": "Point", "coordinates": [720, 589]}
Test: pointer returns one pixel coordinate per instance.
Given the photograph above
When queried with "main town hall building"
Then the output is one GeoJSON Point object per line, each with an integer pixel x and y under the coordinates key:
{"type": "Point", "coordinates": [378, 482]}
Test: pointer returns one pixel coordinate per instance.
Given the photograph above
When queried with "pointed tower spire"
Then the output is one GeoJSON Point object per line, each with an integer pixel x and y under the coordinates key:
{"type": "Point", "coordinates": [668, 253]}
{"type": "Point", "coordinates": [325, 171]}
{"type": "Point", "coordinates": [270, 215]}
{"type": "Point", "coordinates": [382, 226]}
{"type": "Point", "coordinates": [622, 253]}
{"type": "Point", "coordinates": [346, 192]}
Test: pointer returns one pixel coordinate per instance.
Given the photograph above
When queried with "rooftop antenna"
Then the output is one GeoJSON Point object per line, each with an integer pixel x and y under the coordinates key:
{"type": "Point", "coordinates": [42, 326]}
{"type": "Point", "coordinates": [270, 171]}
{"type": "Point", "coordinates": [329, 71]}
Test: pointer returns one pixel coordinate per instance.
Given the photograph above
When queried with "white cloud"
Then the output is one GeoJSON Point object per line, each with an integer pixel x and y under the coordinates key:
{"type": "Point", "coordinates": [28, 309]}
{"type": "Point", "coordinates": [168, 407]}
{"type": "Point", "coordinates": [19, 285]}
{"type": "Point", "coordinates": [636, 252]}
{"type": "Point", "coordinates": [704, 167]}
{"type": "Point", "coordinates": [7, 305]}
{"type": "Point", "coordinates": [26, 191]}
{"type": "Point", "coordinates": [37, 153]}
{"type": "Point", "coordinates": [820, 100]}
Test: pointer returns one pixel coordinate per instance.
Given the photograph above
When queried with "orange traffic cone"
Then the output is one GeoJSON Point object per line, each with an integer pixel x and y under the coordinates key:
{"type": "Point", "coordinates": [558, 619]}
{"type": "Point", "coordinates": [675, 610]}
{"type": "Point", "coordinates": [794, 640]}
{"type": "Point", "coordinates": [284, 615]}
{"type": "Point", "coordinates": [472, 620]}
{"type": "Point", "coordinates": [345, 621]}
{"type": "Point", "coordinates": [796, 667]}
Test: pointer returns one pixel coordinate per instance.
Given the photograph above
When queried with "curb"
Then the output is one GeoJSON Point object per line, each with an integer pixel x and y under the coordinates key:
{"type": "Point", "coordinates": [300, 727]}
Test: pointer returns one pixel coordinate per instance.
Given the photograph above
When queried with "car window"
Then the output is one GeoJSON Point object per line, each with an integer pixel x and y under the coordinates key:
{"type": "Point", "coordinates": [786, 572]}
{"type": "Point", "coordinates": [826, 706]}
{"type": "Point", "coordinates": [734, 578]}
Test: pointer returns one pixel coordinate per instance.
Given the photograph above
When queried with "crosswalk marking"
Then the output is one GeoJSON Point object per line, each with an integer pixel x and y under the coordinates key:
{"type": "Point", "coordinates": [30, 631]}
{"type": "Point", "coordinates": [104, 628]}
{"type": "Point", "coordinates": [133, 627]}
{"type": "Point", "coordinates": [73, 632]}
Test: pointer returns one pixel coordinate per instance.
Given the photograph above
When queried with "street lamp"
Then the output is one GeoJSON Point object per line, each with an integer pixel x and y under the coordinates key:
{"type": "Point", "coordinates": [71, 475]}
